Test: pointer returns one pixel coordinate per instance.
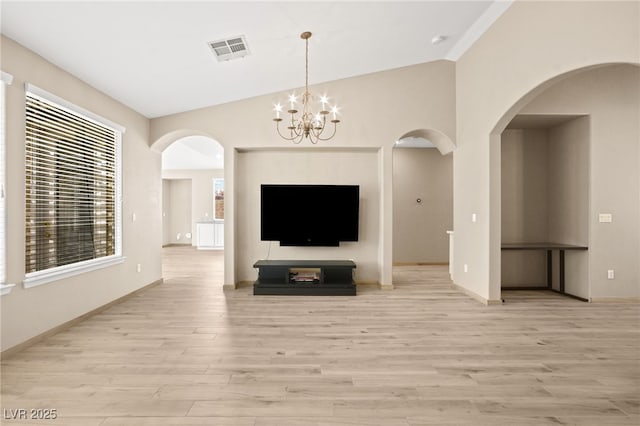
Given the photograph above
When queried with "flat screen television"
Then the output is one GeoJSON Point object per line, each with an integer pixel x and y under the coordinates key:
{"type": "Point", "coordinates": [309, 215]}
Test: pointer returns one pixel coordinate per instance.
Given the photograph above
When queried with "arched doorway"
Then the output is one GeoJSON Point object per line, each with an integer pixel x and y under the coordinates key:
{"type": "Point", "coordinates": [577, 133]}
{"type": "Point", "coordinates": [193, 206]}
{"type": "Point", "coordinates": [422, 202]}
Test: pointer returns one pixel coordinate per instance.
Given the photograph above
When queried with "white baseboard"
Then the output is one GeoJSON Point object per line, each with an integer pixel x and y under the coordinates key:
{"type": "Point", "coordinates": [477, 297]}
{"type": "Point", "coordinates": [615, 300]}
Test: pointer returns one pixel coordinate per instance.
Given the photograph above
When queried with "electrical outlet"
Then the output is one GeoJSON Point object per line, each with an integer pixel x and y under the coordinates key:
{"type": "Point", "coordinates": [139, 267]}
{"type": "Point", "coordinates": [466, 267]}
{"type": "Point", "coordinates": [610, 274]}
{"type": "Point", "coordinates": [474, 217]}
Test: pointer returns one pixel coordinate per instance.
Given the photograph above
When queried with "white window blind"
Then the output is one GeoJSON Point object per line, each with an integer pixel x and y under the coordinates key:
{"type": "Point", "coordinates": [72, 188]}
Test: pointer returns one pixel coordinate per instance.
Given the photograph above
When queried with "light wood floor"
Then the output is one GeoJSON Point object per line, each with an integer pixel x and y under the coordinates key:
{"type": "Point", "coordinates": [187, 353]}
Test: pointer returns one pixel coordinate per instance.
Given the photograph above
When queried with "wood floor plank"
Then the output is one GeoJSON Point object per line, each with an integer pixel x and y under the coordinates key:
{"type": "Point", "coordinates": [77, 421]}
{"type": "Point", "coordinates": [552, 407]}
{"type": "Point", "coordinates": [179, 421]}
{"type": "Point", "coordinates": [331, 421]}
{"type": "Point", "coordinates": [261, 408]}
{"type": "Point", "coordinates": [188, 353]}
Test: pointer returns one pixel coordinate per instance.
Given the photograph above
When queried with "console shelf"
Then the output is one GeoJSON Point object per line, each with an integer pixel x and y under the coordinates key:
{"type": "Point", "coordinates": [332, 278]}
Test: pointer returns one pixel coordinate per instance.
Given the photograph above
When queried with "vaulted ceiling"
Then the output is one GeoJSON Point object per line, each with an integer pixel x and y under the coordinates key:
{"type": "Point", "coordinates": [155, 57]}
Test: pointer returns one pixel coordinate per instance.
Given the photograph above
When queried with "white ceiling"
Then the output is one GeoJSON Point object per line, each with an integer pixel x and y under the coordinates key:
{"type": "Point", "coordinates": [154, 57]}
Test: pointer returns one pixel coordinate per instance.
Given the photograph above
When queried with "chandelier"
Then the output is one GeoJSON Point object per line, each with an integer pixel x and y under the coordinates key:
{"type": "Point", "coordinates": [308, 124]}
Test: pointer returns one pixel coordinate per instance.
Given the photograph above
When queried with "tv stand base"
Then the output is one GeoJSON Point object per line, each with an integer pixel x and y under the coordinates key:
{"type": "Point", "coordinates": [277, 277]}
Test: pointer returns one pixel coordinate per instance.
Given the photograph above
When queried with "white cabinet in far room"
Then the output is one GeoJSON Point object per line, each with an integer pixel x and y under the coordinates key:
{"type": "Point", "coordinates": [210, 235]}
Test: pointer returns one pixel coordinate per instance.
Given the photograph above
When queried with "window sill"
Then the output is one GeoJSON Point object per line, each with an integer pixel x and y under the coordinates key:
{"type": "Point", "coordinates": [6, 289]}
{"type": "Point", "coordinates": [55, 274]}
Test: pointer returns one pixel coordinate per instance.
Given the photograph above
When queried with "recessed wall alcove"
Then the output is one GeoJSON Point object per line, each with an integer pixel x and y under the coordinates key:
{"type": "Point", "coordinates": [566, 170]}
{"type": "Point", "coordinates": [301, 165]}
{"type": "Point", "coordinates": [545, 198]}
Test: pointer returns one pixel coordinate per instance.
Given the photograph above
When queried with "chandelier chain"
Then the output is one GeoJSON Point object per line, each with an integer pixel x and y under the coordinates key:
{"type": "Point", "coordinates": [306, 66]}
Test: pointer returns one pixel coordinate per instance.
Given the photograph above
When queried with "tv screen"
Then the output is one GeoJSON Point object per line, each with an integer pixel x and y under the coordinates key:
{"type": "Point", "coordinates": [309, 215]}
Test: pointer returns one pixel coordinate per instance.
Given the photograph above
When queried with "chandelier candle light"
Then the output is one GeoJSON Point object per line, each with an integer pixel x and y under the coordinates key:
{"type": "Point", "coordinates": [309, 124]}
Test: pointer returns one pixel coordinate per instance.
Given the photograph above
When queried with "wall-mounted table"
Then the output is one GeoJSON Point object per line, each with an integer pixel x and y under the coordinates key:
{"type": "Point", "coordinates": [549, 248]}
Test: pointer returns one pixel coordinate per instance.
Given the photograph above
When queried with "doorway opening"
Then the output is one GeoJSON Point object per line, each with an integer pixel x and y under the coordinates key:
{"type": "Point", "coordinates": [193, 206]}
{"type": "Point", "coordinates": [422, 209]}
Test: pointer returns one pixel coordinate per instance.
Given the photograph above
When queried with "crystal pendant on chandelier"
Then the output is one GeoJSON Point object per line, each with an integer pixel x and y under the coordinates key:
{"type": "Point", "coordinates": [308, 124]}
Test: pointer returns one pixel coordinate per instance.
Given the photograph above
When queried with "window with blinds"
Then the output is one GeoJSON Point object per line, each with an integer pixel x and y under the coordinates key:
{"type": "Point", "coordinates": [72, 185]}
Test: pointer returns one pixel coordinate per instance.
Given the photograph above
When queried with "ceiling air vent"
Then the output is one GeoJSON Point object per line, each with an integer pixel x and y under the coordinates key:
{"type": "Point", "coordinates": [231, 48]}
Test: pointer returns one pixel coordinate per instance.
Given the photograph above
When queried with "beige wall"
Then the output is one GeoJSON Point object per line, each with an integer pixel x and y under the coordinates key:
{"type": "Point", "coordinates": [200, 200]}
{"type": "Point", "coordinates": [524, 163]}
{"type": "Point", "coordinates": [569, 185]}
{"type": "Point", "coordinates": [377, 109]}
{"type": "Point", "coordinates": [166, 218]}
{"type": "Point", "coordinates": [527, 48]}
{"type": "Point", "coordinates": [611, 96]}
{"type": "Point", "coordinates": [29, 312]}
{"type": "Point", "coordinates": [419, 229]}
{"type": "Point", "coordinates": [525, 156]}
{"type": "Point", "coordinates": [177, 213]}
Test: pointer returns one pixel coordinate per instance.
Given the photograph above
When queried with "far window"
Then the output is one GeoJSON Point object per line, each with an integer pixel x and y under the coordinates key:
{"type": "Point", "coordinates": [218, 199]}
{"type": "Point", "coordinates": [72, 188]}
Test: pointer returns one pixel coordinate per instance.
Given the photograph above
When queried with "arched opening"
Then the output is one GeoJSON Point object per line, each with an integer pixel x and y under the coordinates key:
{"type": "Point", "coordinates": [556, 178]}
{"type": "Point", "coordinates": [193, 189]}
{"type": "Point", "coordinates": [433, 138]}
{"type": "Point", "coordinates": [422, 203]}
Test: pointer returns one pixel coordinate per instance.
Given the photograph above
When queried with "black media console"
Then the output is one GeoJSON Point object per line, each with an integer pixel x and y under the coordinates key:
{"type": "Point", "coordinates": [305, 277]}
